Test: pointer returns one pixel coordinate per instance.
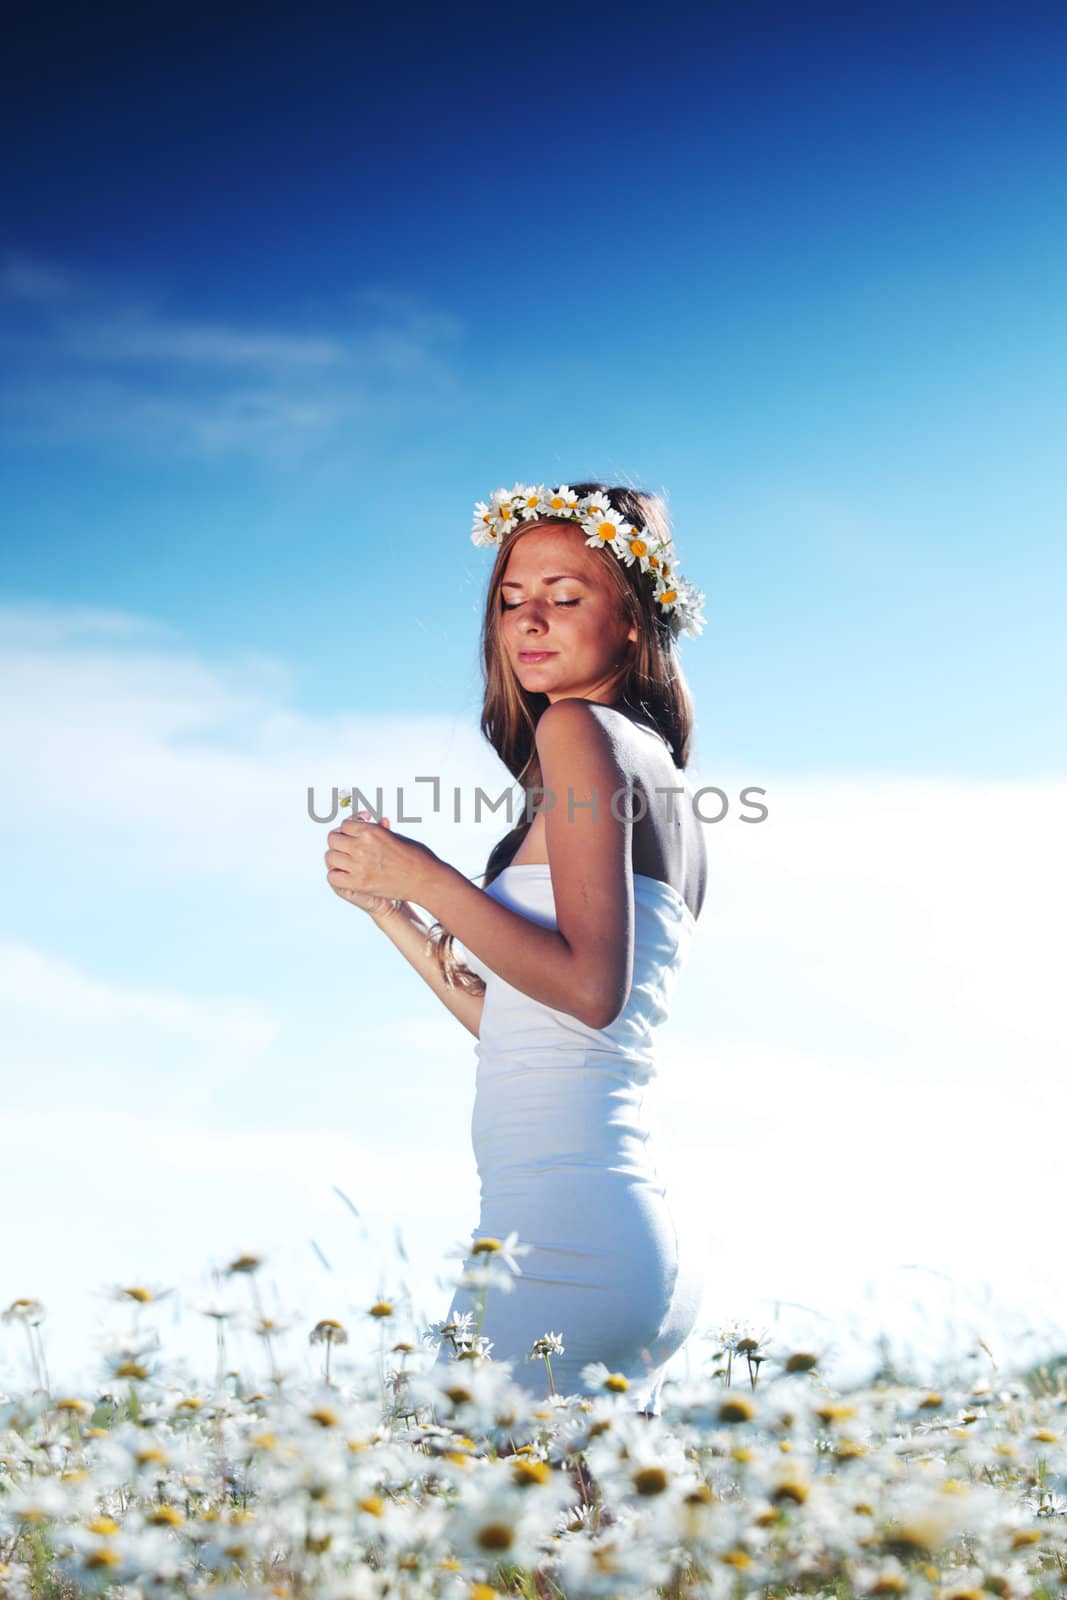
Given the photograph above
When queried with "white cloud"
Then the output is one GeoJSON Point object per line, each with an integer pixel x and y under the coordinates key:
{"type": "Point", "coordinates": [25, 277]}
{"type": "Point", "coordinates": [426, 323]}
{"type": "Point", "coordinates": [96, 363]}
{"type": "Point", "coordinates": [46, 626]}
{"type": "Point", "coordinates": [141, 742]}
{"type": "Point", "coordinates": [139, 333]}
{"type": "Point", "coordinates": [275, 423]}
{"type": "Point", "coordinates": [33, 981]}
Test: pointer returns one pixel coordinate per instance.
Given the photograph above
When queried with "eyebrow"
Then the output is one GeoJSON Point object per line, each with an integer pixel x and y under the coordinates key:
{"type": "Point", "coordinates": [575, 576]}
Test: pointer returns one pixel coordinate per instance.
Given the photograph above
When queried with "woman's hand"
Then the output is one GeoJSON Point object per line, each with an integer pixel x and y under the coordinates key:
{"type": "Point", "coordinates": [373, 868]}
{"type": "Point", "coordinates": [376, 905]}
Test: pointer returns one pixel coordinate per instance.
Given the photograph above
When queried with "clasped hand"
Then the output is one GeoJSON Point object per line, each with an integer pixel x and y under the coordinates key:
{"type": "Point", "coordinates": [368, 862]}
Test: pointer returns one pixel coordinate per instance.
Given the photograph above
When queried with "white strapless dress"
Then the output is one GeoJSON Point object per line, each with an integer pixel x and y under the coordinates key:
{"type": "Point", "coordinates": [567, 1159]}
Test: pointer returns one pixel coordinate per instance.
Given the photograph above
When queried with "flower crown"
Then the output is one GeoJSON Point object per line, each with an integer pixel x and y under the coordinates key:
{"type": "Point", "coordinates": [605, 528]}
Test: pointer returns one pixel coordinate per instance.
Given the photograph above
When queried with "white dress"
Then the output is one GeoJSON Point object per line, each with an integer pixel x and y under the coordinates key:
{"type": "Point", "coordinates": [567, 1160]}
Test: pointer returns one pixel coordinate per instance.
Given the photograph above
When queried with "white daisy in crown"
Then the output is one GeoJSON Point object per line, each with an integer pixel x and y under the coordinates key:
{"type": "Point", "coordinates": [561, 500]}
{"type": "Point", "coordinates": [530, 502]}
{"type": "Point", "coordinates": [602, 523]}
{"type": "Point", "coordinates": [631, 546]}
{"type": "Point", "coordinates": [483, 532]}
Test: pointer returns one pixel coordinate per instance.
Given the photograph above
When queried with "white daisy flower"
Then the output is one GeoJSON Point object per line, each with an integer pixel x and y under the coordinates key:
{"type": "Point", "coordinates": [633, 545]}
{"type": "Point", "coordinates": [595, 1375]}
{"type": "Point", "coordinates": [483, 532]}
{"type": "Point", "coordinates": [488, 1248]}
{"type": "Point", "coordinates": [549, 1344]}
{"type": "Point", "coordinates": [481, 1391]}
{"type": "Point", "coordinates": [610, 1567]}
{"type": "Point", "coordinates": [692, 605]}
{"type": "Point", "coordinates": [561, 500]}
{"type": "Point", "coordinates": [504, 1250]}
{"type": "Point", "coordinates": [660, 556]}
{"type": "Point", "coordinates": [531, 502]}
{"type": "Point", "coordinates": [457, 1329]}
{"type": "Point", "coordinates": [496, 1521]}
{"type": "Point", "coordinates": [504, 509]}
{"type": "Point", "coordinates": [604, 527]}
{"type": "Point", "coordinates": [489, 1276]}
{"type": "Point", "coordinates": [597, 505]}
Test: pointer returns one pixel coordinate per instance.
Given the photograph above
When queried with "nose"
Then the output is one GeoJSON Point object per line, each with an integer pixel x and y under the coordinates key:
{"type": "Point", "coordinates": [532, 619]}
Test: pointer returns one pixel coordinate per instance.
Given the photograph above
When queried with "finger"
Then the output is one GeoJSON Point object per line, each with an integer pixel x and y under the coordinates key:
{"type": "Point", "coordinates": [344, 837]}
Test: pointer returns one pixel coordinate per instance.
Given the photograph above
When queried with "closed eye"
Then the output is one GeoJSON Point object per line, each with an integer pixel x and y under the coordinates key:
{"type": "Point", "coordinates": [505, 607]}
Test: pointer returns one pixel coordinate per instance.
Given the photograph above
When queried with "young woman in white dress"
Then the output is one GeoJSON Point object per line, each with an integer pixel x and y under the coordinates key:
{"type": "Point", "coordinates": [572, 943]}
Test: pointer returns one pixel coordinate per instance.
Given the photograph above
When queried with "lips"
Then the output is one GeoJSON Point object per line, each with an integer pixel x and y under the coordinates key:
{"type": "Point", "coordinates": [533, 656]}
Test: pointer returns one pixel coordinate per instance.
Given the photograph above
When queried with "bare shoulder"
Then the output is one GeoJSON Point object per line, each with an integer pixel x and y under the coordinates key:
{"type": "Point", "coordinates": [578, 750]}
{"type": "Point", "coordinates": [668, 835]}
{"type": "Point", "coordinates": [581, 721]}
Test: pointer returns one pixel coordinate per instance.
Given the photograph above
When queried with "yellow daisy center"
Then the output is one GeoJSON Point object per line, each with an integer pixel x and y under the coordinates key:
{"type": "Point", "coordinates": [736, 1558]}
{"type": "Point", "coordinates": [495, 1536]}
{"type": "Point", "coordinates": [104, 1557]}
{"type": "Point", "coordinates": [650, 1480]}
{"type": "Point", "coordinates": [736, 1410]}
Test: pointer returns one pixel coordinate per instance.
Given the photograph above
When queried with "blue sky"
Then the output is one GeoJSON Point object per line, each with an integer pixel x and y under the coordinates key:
{"type": "Point", "coordinates": [279, 300]}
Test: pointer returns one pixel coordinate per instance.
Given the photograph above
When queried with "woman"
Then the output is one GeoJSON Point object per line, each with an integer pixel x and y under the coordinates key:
{"type": "Point", "coordinates": [573, 942]}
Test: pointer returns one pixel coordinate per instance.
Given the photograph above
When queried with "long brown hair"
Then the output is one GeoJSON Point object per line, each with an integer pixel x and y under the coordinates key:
{"type": "Point", "coordinates": [651, 684]}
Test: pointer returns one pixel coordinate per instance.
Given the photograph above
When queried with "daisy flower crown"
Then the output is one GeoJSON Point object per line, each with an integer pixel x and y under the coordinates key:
{"type": "Point", "coordinates": [678, 600]}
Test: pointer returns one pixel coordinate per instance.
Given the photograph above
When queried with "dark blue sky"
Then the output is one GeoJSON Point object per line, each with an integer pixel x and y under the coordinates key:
{"type": "Point", "coordinates": [266, 147]}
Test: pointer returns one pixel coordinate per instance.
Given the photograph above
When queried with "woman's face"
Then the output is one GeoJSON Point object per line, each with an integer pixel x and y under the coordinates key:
{"type": "Point", "coordinates": [561, 626]}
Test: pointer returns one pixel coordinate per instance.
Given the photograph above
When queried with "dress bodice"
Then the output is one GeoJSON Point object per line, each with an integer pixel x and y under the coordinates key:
{"type": "Point", "coordinates": [514, 1027]}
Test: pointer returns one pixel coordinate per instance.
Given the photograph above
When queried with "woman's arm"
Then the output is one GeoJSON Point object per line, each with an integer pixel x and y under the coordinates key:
{"type": "Point", "coordinates": [409, 933]}
{"type": "Point", "coordinates": [585, 965]}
